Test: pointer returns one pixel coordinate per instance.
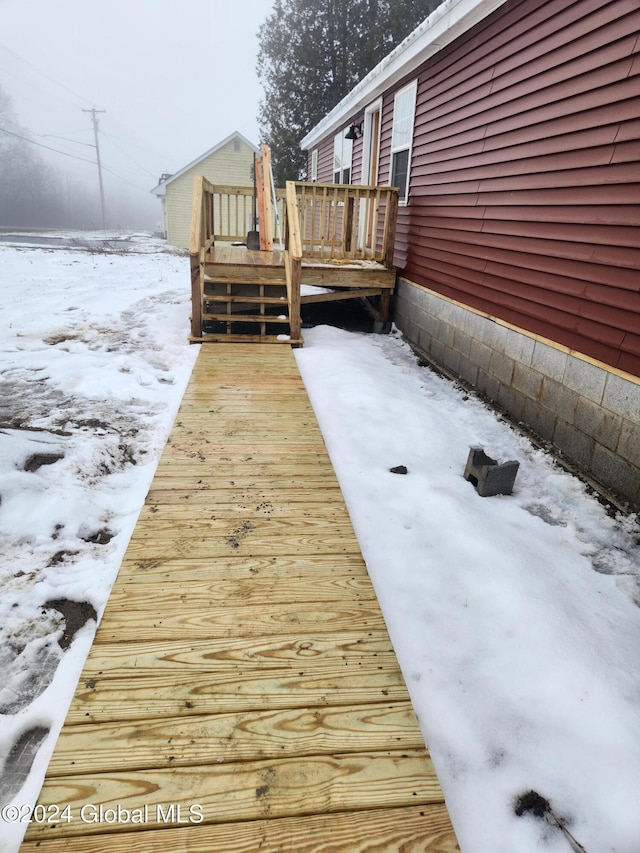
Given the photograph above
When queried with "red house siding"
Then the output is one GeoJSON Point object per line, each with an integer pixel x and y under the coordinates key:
{"type": "Point", "coordinates": [524, 196]}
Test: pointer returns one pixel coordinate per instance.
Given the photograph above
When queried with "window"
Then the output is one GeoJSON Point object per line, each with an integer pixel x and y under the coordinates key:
{"type": "Point", "coordinates": [236, 146]}
{"type": "Point", "coordinates": [314, 164]}
{"type": "Point", "coordinates": [342, 154]}
{"type": "Point", "coordinates": [404, 109]}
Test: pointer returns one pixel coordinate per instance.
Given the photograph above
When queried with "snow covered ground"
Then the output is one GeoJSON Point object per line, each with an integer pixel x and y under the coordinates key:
{"type": "Point", "coordinates": [516, 619]}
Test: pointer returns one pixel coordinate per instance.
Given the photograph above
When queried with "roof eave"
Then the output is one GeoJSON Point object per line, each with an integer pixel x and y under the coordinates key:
{"type": "Point", "coordinates": [446, 23]}
{"type": "Point", "coordinates": [235, 135]}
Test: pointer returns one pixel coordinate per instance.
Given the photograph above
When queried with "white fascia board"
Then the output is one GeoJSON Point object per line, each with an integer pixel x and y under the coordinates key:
{"type": "Point", "coordinates": [445, 24]}
{"type": "Point", "coordinates": [235, 135]}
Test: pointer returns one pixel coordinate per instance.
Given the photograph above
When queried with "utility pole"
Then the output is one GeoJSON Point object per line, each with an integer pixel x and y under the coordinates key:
{"type": "Point", "coordinates": [95, 134]}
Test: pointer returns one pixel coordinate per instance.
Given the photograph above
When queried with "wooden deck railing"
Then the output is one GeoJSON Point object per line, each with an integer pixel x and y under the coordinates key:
{"type": "Point", "coordinates": [227, 213]}
{"type": "Point", "coordinates": [319, 222]}
{"type": "Point", "coordinates": [220, 214]}
{"type": "Point", "coordinates": [347, 221]}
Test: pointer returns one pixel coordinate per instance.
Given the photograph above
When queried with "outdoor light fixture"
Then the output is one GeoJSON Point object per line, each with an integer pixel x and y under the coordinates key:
{"type": "Point", "coordinates": [354, 132]}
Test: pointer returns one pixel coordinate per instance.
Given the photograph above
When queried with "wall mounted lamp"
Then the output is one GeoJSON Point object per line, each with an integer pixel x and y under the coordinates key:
{"type": "Point", "coordinates": [354, 132]}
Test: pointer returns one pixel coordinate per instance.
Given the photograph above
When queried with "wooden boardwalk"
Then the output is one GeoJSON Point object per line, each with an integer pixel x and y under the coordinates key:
{"type": "Point", "coordinates": [242, 693]}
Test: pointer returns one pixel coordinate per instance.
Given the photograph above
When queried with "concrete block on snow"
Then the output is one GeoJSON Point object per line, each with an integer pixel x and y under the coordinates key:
{"type": "Point", "coordinates": [489, 476]}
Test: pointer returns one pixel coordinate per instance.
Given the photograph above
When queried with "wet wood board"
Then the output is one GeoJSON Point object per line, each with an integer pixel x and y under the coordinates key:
{"type": "Point", "coordinates": [242, 692]}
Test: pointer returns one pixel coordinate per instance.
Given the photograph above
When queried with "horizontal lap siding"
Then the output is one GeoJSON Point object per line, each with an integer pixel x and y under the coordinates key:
{"type": "Point", "coordinates": [325, 156]}
{"type": "Point", "coordinates": [525, 175]}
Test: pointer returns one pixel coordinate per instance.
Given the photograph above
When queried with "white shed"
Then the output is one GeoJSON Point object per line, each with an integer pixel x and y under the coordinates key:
{"type": "Point", "coordinates": [230, 163]}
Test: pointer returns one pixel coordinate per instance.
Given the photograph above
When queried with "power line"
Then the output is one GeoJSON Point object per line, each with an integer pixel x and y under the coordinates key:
{"type": "Point", "coordinates": [122, 151]}
{"type": "Point", "coordinates": [75, 157]}
{"type": "Point", "coordinates": [64, 139]}
{"type": "Point", "coordinates": [44, 74]}
{"type": "Point", "coordinates": [126, 181]}
{"type": "Point", "coordinates": [48, 147]}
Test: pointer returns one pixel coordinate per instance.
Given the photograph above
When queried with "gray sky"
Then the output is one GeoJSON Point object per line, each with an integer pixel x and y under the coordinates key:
{"type": "Point", "coordinates": [174, 76]}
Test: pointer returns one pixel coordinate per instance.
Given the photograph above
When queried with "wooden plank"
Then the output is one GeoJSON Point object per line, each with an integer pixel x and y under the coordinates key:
{"type": "Point", "coordinates": [267, 223]}
{"type": "Point", "coordinates": [281, 499]}
{"type": "Point", "coordinates": [222, 622]}
{"type": "Point", "coordinates": [262, 217]}
{"type": "Point", "coordinates": [202, 511]}
{"type": "Point", "coordinates": [268, 450]}
{"type": "Point", "coordinates": [289, 502]}
{"type": "Point", "coordinates": [243, 541]}
{"type": "Point", "coordinates": [207, 337]}
{"type": "Point", "coordinates": [207, 480]}
{"type": "Point", "coordinates": [231, 512]}
{"type": "Point", "coordinates": [272, 448]}
{"type": "Point", "coordinates": [352, 277]}
{"type": "Point", "coordinates": [181, 695]}
{"type": "Point", "coordinates": [184, 570]}
{"type": "Point", "coordinates": [254, 591]}
{"type": "Point", "coordinates": [193, 432]}
{"type": "Point", "coordinates": [245, 318]}
{"type": "Point", "coordinates": [233, 471]}
{"type": "Point", "coordinates": [248, 736]}
{"type": "Point", "coordinates": [224, 298]}
{"type": "Point", "coordinates": [283, 651]}
{"type": "Point", "coordinates": [414, 829]}
{"type": "Point", "coordinates": [337, 295]}
{"type": "Point", "coordinates": [197, 234]}
{"type": "Point", "coordinates": [248, 790]}
{"type": "Point", "coordinates": [255, 526]}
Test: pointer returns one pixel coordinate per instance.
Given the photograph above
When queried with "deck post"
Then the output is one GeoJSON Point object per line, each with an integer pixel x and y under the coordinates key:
{"type": "Point", "coordinates": [390, 223]}
{"type": "Point", "coordinates": [197, 239]}
{"type": "Point", "coordinates": [293, 259]}
{"type": "Point", "coordinates": [196, 295]}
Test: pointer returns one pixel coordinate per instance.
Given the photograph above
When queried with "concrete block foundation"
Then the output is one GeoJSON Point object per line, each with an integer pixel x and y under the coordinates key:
{"type": "Point", "coordinates": [588, 412]}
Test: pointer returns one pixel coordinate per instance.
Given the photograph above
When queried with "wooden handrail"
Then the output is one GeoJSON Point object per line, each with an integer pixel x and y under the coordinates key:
{"type": "Point", "coordinates": [347, 221]}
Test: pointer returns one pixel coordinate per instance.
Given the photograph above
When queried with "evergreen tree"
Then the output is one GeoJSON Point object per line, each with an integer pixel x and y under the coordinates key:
{"type": "Point", "coordinates": [312, 53]}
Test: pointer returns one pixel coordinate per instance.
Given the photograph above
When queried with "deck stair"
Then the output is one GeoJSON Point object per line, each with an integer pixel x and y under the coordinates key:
{"type": "Point", "coordinates": [336, 237]}
{"type": "Point", "coordinates": [254, 308]}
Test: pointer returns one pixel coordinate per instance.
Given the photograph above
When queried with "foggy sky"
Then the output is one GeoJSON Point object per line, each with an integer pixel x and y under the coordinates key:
{"type": "Point", "coordinates": [174, 76]}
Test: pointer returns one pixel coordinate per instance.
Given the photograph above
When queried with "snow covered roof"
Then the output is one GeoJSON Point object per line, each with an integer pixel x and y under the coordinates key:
{"type": "Point", "coordinates": [446, 23]}
{"type": "Point", "coordinates": [159, 190]}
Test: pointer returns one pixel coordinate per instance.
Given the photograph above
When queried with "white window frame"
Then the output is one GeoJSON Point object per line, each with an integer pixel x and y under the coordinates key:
{"type": "Point", "coordinates": [314, 164]}
{"type": "Point", "coordinates": [342, 157]}
{"type": "Point", "coordinates": [376, 106]}
{"type": "Point", "coordinates": [402, 134]}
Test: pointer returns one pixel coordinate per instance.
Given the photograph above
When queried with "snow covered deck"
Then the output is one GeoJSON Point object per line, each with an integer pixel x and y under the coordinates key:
{"type": "Point", "coordinates": [242, 692]}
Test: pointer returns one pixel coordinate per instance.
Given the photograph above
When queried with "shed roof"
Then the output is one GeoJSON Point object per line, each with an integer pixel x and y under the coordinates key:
{"type": "Point", "coordinates": [446, 23]}
{"type": "Point", "coordinates": [159, 190]}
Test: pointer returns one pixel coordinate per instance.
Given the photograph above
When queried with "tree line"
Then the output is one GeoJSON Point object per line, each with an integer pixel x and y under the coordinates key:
{"type": "Point", "coordinates": [311, 54]}
{"type": "Point", "coordinates": [32, 193]}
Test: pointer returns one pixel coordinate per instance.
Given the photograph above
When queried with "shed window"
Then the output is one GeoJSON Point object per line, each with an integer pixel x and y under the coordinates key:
{"type": "Point", "coordinates": [404, 110]}
{"type": "Point", "coordinates": [314, 164]}
{"type": "Point", "coordinates": [236, 146]}
{"type": "Point", "coordinates": [342, 154]}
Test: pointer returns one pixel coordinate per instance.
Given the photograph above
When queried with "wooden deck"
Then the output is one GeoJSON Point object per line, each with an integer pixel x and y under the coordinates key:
{"type": "Point", "coordinates": [242, 693]}
{"type": "Point", "coordinates": [338, 237]}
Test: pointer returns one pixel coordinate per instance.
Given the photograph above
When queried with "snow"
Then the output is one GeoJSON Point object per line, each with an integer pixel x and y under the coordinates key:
{"type": "Point", "coordinates": [93, 362]}
{"type": "Point", "coordinates": [515, 619]}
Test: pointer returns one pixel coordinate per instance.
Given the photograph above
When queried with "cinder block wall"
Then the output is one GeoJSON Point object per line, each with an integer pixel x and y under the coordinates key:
{"type": "Point", "coordinates": [590, 414]}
